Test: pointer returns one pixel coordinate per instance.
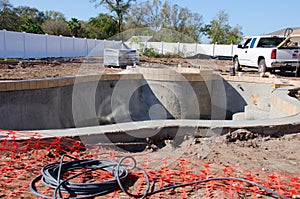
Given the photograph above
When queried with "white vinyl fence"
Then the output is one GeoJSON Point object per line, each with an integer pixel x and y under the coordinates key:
{"type": "Point", "coordinates": [26, 45]}
{"type": "Point", "coordinates": [186, 49]}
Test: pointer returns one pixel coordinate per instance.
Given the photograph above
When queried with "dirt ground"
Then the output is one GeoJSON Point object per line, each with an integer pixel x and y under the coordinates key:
{"type": "Point", "coordinates": [268, 161]}
{"type": "Point", "coordinates": [51, 68]}
{"type": "Point", "coordinates": [240, 149]}
{"type": "Point", "coordinates": [243, 149]}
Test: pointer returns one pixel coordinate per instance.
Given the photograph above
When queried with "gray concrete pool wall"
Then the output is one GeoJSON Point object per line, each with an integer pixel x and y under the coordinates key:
{"type": "Point", "coordinates": [106, 101]}
{"type": "Point", "coordinates": [142, 103]}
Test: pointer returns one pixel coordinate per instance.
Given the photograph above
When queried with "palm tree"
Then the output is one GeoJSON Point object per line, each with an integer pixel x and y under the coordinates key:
{"type": "Point", "coordinates": [74, 25]}
{"type": "Point", "coordinates": [119, 7]}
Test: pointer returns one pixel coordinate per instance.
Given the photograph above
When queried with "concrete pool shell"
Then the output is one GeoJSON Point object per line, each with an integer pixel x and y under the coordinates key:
{"type": "Point", "coordinates": [153, 103]}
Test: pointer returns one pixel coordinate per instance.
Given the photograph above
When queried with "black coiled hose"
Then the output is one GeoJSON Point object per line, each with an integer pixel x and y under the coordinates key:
{"type": "Point", "coordinates": [51, 177]}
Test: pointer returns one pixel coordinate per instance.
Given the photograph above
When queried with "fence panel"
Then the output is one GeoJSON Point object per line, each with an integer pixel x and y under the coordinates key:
{"type": "Point", "coordinates": [186, 49]}
{"type": "Point", "coordinates": [35, 45]}
{"type": "Point", "coordinates": [53, 46]}
{"type": "Point", "coordinates": [15, 46]}
{"type": "Point", "coordinates": [66, 47]}
{"type": "Point", "coordinates": [2, 44]}
{"type": "Point", "coordinates": [118, 45]}
{"type": "Point", "coordinates": [206, 49]}
{"type": "Point", "coordinates": [80, 47]}
{"type": "Point", "coordinates": [98, 49]}
{"type": "Point", "coordinates": [90, 45]}
{"type": "Point", "coordinates": [223, 50]}
{"type": "Point", "coordinates": [24, 45]}
{"type": "Point", "coordinates": [109, 44]}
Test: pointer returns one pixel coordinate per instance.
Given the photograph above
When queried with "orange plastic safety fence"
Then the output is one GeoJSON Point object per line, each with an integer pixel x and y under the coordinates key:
{"type": "Point", "coordinates": [23, 154]}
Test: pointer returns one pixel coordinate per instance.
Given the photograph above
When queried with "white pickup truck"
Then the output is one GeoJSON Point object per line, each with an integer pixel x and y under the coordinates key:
{"type": "Point", "coordinates": [269, 53]}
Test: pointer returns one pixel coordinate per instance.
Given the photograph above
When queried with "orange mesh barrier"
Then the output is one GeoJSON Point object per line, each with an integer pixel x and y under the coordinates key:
{"type": "Point", "coordinates": [24, 154]}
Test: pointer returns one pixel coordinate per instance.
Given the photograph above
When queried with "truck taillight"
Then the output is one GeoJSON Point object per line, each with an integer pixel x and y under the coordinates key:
{"type": "Point", "coordinates": [273, 54]}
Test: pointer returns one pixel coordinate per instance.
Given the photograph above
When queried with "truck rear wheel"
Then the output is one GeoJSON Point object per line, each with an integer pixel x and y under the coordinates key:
{"type": "Point", "coordinates": [262, 67]}
{"type": "Point", "coordinates": [236, 64]}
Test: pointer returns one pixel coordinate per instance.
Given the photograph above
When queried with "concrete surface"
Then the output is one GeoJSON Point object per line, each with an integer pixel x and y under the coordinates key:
{"type": "Point", "coordinates": [89, 100]}
{"type": "Point", "coordinates": [129, 101]}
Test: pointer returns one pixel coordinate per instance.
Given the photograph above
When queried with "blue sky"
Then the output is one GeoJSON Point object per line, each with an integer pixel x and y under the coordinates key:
{"type": "Point", "coordinates": [256, 17]}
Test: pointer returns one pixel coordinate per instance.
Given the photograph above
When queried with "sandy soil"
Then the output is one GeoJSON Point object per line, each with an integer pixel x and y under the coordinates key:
{"type": "Point", "coordinates": [271, 162]}
{"type": "Point", "coordinates": [50, 68]}
{"type": "Point", "coordinates": [245, 150]}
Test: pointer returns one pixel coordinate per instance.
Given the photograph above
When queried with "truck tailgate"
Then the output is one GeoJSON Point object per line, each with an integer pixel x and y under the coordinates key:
{"type": "Point", "coordinates": [288, 54]}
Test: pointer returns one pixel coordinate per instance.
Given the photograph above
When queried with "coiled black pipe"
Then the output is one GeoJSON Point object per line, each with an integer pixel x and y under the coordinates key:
{"type": "Point", "coordinates": [51, 177]}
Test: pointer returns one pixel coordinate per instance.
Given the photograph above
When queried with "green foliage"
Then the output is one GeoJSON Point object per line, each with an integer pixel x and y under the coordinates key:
{"type": "Point", "coordinates": [55, 27]}
{"type": "Point", "coordinates": [158, 15]}
{"type": "Point", "coordinates": [104, 26]}
{"type": "Point", "coordinates": [54, 15]}
{"type": "Point", "coordinates": [219, 30]}
{"type": "Point", "coordinates": [74, 26]}
{"type": "Point", "coordinates": [150, 52]}
{"type": "Point", "coordinates": [8, 17]}
{"type": "Point", "coordinates": [156, 18]}
{"type": "Point", "coordinates": [30, 27]}
{"type": "Point", "coordinates": [25, 12]}
{"type": "Point", "coordinates": [87, 31]}
{"type": "Point", "coordinates": [136, 40]}
{"type": "Point", "coordinates": [169, 40]}
{"type": "Point", "coordinates": [173, 36]}
{"type": "Point", "coordinates": [55, 23]}
{"type": "Point", "coordinates": [148, 32]}
{"type": "Point", "coordinates": [118, 7]}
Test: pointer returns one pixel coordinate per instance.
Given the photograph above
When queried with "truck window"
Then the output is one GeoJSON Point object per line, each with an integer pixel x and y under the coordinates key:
{"type": "Point", "coordinates": [269, 42]}
{"type": "Point", "coordinates": [247, 43]}
{"type": "Point", "coordinates": [253, 42]}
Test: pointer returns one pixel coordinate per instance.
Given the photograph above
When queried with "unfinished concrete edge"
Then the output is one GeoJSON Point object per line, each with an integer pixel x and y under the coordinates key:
{"type": "Point", "coordinates": [162, 129]}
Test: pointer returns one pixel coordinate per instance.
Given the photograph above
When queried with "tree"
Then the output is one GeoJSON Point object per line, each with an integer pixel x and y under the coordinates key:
{"type": "Point", "coordinates": [74, 26]}
{"type": "Point", "coordinates": [104, 25]}
{"type": "Point", "coordinates": [54, 15]}
{"type": "Point", "coordinates": [55, 23]}
{"type": "Point", "coordinates": [166, 15]}
{"type": "Point", "coordinates": [145, 14]}
{"type": "Point", "coordinates": [219, 30]}
{"type": "Point", "coordinates": [55, 27]}
{"type": "Point", "coordinates": [30, 27]}
{"type": "Point", "coordinates": [153, 14]}
{"type": "Point", "coordinates": [235, 36]}
{"type": "Point", "coordinates": [119, 7]}
{"type": "Point", "coordinates": [137, 16]}
{"type": "Point", "coordinates": [25, 12]}
{"type": "Point", "coordinates": [8, 18]}
{"type": "Point", "coordinates": [186, 22]}
{"type": "Point", "coordinates": [194, 26]}
{"type": "Point", "coordinates": [87, 31]}
{"type": "Point", "coordinates": [158, 15]}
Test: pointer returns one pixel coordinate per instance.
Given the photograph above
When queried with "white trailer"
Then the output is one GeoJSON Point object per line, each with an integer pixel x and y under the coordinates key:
{"type": "Point", "coordinates": [120, 57]}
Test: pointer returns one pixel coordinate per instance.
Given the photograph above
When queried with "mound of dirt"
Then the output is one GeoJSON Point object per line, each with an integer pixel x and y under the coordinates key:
{"type": "Point", "coordinates": [241, 148]}
{"type": "Point", "coordinates": [240, 135]}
